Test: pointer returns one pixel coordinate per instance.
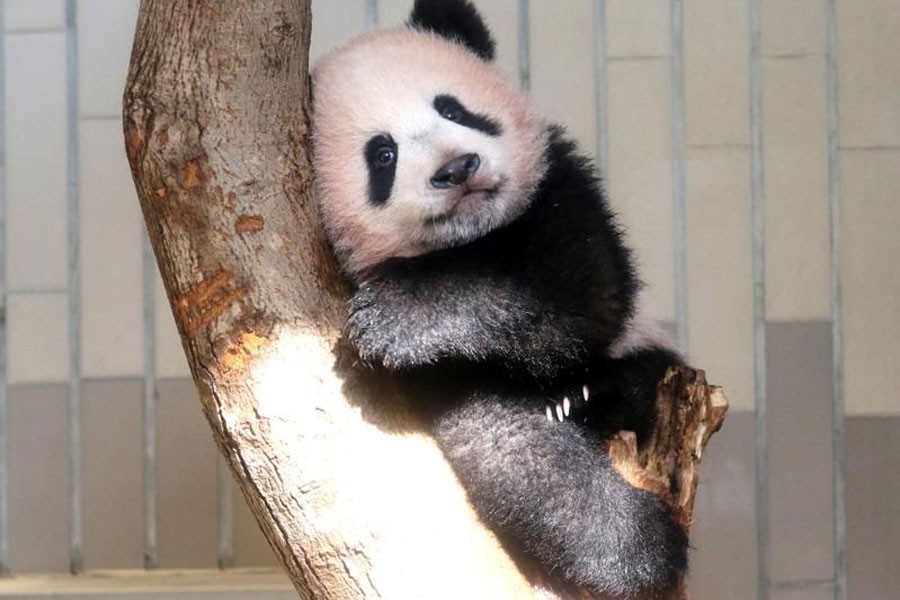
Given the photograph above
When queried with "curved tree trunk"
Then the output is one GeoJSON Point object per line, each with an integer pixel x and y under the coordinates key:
{"type": "Point", "coordinates": [216, 129]}
{"type": "Point", "coordinates": [355, 500]}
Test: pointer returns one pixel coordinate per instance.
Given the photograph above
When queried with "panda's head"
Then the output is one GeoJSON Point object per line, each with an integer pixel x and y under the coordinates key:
{"type": "Point", "coordinates": [420, 143]}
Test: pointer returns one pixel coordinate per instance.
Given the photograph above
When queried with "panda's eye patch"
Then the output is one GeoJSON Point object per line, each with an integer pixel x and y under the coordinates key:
{"type": "Point", "coordinates": [450, 108]}
{"type": "Point", "coordinates": [381, 159]}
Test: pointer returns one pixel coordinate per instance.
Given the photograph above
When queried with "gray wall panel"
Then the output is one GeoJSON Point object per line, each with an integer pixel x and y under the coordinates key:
{"type": "Point", "coordinates": [799, 423]}
{"type": "Point", "coordinates": [113, 476]}
{"type": "Point", "coordinates": [38, 478]}
{"type": "Point", "coordinates": [873, 508]}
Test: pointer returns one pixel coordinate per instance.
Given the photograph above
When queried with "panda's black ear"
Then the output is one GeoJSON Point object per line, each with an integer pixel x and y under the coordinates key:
{"type": "Point", "coordinates": [457, 20]}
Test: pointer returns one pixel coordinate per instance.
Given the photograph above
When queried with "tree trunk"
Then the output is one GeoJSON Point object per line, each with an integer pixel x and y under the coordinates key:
{"type": "Point", "coordinates": [355, 500]}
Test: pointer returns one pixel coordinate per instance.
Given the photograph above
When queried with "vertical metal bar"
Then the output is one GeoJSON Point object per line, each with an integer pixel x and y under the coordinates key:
{"type": "Point", "coordinates": [524, 46]}
{"type": "Point", "coordinates": [757, 209]}
{"type": "Point", "coordinates": [226, 514]}
{"type": "Point", "coordinates": [837, 318]}
{"type": "Point", "coordinates": [679, 185]}
{"type": "Point", "coordinates": [4, 399]}
{"type": "Point", "coordinates": [151, 552]}
{"type": "Point", "coordinates": [371, 14]}
{"type": "Point", "coordinates": [76, 550]}
{"type": "Point", "coordinates": [600, 87]}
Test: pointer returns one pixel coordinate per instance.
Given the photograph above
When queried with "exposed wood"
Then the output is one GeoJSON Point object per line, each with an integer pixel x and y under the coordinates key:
{"type": "Point", "coordinates": [356, 501]}
{"type": "Point", "coordinates": [689, 411]}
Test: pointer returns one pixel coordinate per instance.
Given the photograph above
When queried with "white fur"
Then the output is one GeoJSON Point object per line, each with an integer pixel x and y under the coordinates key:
{"type": "Point", "coordinates": [385, 82]}
{"type": "Point", "coordinates": [642, 331]}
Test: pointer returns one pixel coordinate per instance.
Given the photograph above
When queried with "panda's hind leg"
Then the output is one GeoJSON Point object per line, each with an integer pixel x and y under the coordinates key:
{"type": "Point", "coordinates": [550, 488]}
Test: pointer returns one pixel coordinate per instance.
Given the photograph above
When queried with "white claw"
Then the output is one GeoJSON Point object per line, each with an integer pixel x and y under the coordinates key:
{"type": "Point", "coordinates": [559, 413]}
{"type": "Point", "coordinates": [549, 414]}
{"type": "Point", "coordinates": [586, 393]}
{"type": "Point", "coordinates": [567, 405]}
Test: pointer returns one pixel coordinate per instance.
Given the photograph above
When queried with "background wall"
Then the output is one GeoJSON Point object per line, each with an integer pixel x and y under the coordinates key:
{"type": "Point", "coordinates": [690, 156]}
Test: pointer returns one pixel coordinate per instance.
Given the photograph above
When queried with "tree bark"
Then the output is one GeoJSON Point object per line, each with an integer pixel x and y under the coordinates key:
{"type": "Point", "coordinates": [356, 501]}
{"type": "Point", "coordinates": [689, 411]}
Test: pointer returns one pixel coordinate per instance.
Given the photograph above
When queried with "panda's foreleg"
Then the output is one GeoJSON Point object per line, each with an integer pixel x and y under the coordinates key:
{"type": "Point", "coordinates": [550, 489]}
{"type": "Point", "coordinates": [418, 312]}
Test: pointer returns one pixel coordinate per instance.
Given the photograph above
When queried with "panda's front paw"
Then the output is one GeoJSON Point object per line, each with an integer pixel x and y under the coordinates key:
{"type": "Point", "coordinates": [367, 328]}
{"type": "Point", "coordinates": [368, 338]}
{"type": "Point", "coordinates": [379, 333]}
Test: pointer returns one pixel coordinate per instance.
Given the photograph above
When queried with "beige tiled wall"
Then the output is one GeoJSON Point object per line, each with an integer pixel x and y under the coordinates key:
{"type": "Point", "coordinates": [638, 91]}
{"type": "Point", "coordinates": [104, 42]}
{"type": "Point", "coordinates": [637, 28]}
{"type": "Point", "coordinates": [796, 189]}
{"type": "Point", "coordinates": [334, 23]}
{"type": "Point", "coordinates": [871, 222]}
{"type": "Point", "coordinates": [34, 14]}
{"type": "Point", "coordinates": [720, 309]}
{"type": "Point", "coordinates": [716, 62]}
{"type": "Point", "coordinates": [37, 338]}
{"type": "Point", "coordinates": [639, 178]}
{"type": "Point", "coordinates": [870, 73]}
{"type": "Point", "coordinates": [36, 160]}
{"type": "Point", "coordinates": [111, 252]}
{"type": "Point", "coordinates": [561, 73]}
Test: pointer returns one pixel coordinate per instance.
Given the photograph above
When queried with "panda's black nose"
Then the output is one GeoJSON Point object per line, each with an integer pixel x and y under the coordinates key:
{"type": "Point", "coordinates": [456, 172]}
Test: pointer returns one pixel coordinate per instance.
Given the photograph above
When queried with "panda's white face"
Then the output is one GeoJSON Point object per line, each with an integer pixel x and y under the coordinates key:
{"type": "Point", "coordinates": [418, 145]}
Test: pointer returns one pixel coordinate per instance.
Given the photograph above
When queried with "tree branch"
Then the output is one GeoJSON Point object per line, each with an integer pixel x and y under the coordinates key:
{"type": "Point", "coordinates": [689, 412]}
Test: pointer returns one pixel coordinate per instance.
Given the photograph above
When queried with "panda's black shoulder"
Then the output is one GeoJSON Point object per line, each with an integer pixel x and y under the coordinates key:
{"type": "Point", "coordinates": [571, 220]}
{"type": "Point", "coordinates": [569, 172]}
{"type": "Point", "coordinates": [566, 250]}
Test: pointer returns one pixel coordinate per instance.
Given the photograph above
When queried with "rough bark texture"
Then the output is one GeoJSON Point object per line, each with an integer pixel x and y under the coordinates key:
{"type": "Point", "coordinates": [355, 500]}
{"type": "Point", "coordinates": [689, 411]}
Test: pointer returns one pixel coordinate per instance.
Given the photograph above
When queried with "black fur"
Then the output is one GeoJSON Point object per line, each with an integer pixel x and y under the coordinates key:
{"type": "Point", "coordinates": [381, 172]}
{"type": "Point", "coordinates": [550, 489]}
{"type": "Point", "coordinates": [452, 109]}
{"type": "Point", "coordinates": [457, 20]}
{"type": "Point", "coordinates": [492, 330]}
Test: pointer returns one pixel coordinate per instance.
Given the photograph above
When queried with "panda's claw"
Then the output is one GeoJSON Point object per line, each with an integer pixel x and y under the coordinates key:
{"type": "Point", "coordinates": [570, 408]}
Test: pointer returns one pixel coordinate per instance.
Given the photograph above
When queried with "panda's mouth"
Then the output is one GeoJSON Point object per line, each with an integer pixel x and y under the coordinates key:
{"type": "Point", "coordinates": [463, 198]}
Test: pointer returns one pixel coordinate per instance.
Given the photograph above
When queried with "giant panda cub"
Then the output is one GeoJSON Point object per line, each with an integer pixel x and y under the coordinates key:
{"type": "Point", "coordinates": [491, 278]}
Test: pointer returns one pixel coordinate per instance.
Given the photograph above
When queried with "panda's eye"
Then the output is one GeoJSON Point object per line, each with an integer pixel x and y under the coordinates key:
{"type": "Point", "coordinates": [451, 113]}
{"type": "Point", "coordinates": [385, 156]}
{"type": "Point", "coordinates": [450, 108]}
{"type": "Point", "coordinates": [381, 161]}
